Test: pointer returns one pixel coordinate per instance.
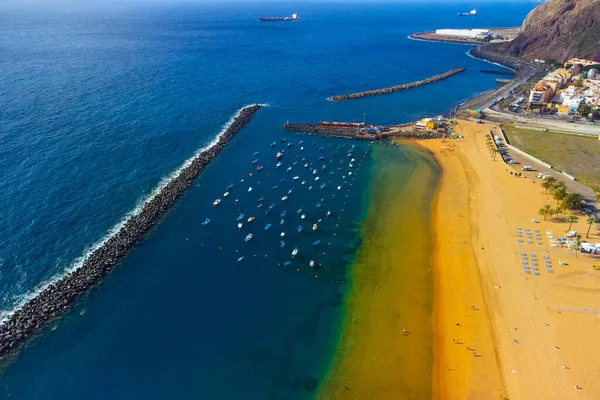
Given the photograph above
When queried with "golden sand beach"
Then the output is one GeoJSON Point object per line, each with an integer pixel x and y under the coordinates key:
{"type": "Point", "coordinates": [538, 336]}
{"type": "Point", "coordinates": [495, 332]}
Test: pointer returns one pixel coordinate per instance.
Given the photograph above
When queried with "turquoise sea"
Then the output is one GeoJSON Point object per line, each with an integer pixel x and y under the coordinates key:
{"type": "Point", "coordinates": [100, 103]}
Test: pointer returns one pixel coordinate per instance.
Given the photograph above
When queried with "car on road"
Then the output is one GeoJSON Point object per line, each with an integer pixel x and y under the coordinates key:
{"type": "Point", "coordinates": [527, 168]}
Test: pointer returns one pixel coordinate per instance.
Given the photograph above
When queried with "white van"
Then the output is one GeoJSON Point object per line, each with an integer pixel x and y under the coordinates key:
{"type": "Point", "coordinates": [527, 168]}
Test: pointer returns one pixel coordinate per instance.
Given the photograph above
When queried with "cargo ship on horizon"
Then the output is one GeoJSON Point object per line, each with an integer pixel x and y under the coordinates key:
{"type": "Point", "coordinates": [293, 18]}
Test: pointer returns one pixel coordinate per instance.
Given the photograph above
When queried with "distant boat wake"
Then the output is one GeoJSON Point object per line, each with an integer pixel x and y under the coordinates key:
{"type": "Point", "coordinates": [52, 298]}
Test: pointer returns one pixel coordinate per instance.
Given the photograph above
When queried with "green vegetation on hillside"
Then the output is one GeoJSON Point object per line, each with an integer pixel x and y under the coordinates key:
{"type": "Point", "coordinates": [575, 155]}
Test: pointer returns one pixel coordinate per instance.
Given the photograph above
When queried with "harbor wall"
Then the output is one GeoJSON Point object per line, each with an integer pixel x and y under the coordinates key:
{"type": "Point", "coordinates": [55, 299]}
{"type": "Point", "coordinates": [351, 132]}
{"type": "Point", "coordinates": [398, 88]}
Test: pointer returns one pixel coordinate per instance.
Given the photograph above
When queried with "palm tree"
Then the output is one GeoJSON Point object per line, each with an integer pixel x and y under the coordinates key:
{"type": "Point", "coordinates": [590, 220]}
{"type": "Point", "coordinates": [558, 209]}
{"type": "Point", "coordinates": [559, 185]}
{"type": "Point", "coordinates": [573, 200]}
{"type": "Point", "coordinates": [571, 218]}
{"type": "Point", "coordinates": [494, 152]}
{"type": "Point", "coordinates": [559, 193]}
{"type": "Point", "coordinates": [546, 211]}
{"type": "Point", "coordinates": [549, 183]}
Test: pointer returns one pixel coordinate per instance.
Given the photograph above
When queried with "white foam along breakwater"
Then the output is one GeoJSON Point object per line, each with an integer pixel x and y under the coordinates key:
{"type": "Point", "coordinates": [53, 298]}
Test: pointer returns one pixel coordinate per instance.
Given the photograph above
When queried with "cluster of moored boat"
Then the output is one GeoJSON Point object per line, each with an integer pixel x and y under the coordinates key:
{"type": "Point", "coordinates": [321, 167]}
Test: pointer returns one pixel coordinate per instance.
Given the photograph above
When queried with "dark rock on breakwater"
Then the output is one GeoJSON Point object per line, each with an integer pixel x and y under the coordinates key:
{"type": "Point", "coordinates": [352, 132]}
{"type": "Point", "coordinates": [398, 88]}
{"type": "Point", "coordinates": [56, 298]}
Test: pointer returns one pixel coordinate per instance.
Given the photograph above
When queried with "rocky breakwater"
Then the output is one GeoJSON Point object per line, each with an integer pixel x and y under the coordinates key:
{"type": "Point", "coordinates": [56, 298]}
{"type": "Point", "coordinates": [331, 130]}
{"type": "Point", "coordinates": [398, 88]}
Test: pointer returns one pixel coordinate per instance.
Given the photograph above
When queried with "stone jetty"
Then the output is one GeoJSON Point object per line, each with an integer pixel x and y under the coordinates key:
{"type": "Point", "coordinates": [350, 131]}
{"type": "Point", "coordinates": [398, 88]}
{"type": "Point", "coordinates": [56, 298]}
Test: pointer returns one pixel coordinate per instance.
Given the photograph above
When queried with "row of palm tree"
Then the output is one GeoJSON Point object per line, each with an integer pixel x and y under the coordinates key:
{"type": "Point", "coordinates": [558, 189]}
{"type": "Point", "coordinates": [489, 141]}
{"type": "Point", "coordinates": [548, 211]}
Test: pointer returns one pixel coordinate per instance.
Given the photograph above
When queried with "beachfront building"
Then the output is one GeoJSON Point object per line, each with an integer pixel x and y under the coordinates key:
{"type": "Point", "coordinates": [576, 61]}
{"type": "Point", "coordinates": [542, 92]}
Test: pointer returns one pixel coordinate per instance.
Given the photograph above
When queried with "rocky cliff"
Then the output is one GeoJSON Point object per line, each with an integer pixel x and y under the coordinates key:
{"type": "Point", "coordinates": [559, 29]}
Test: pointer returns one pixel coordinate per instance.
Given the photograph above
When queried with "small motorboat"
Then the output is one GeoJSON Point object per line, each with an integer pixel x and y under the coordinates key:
{"type": "Point", "coordinates": [353, 146]}
{"type": "Point", "coordinates": [290, 145]}
{"type": "Point", "coordinates": [255, 153]}
{"type": "Point", "coordinates": [283, 213]}
{"type": "Point", "coordinates": [317, 179]}
{"type": "Point", "coordinates": [259, 168]}
{"type": "Point", "coordinates": [230, 186]}
{"type": "Point", "coordinates": [240, 259]}
{"type": "Point", "coordinates": [312, 263]}
{"type": "Point", "coordinates": [310, 188]}
{"type": "Point", "coordinates": [328, 214]}
{"type": "Point", "coordinates": [304, 182]}
{"type": "Point", "coordinates": [323, 167]}
{"type": "Point", "coordinates": [273, 144]}
{"type": "Point", "coordinates": [316, 243]}
{"type": "Point", "coordinates": [314, 171]}
{"type": "Point", "coordinates": [267, 227]}
{"type": "Point", "coordinates": [239, 225]}
{"type": "Point", "coordinates": [318, 205]}
{"type": "Point", "coordinates": [284, 198]}
{"type": "Point", "coordinates": [294, 252]}
{"type": "Point", "coordinates": [240, 217]}
{"type": "Point", "coordinates": [352, 160]}
{"type": "Point", "coordinates": [351, 165]}
{"type": "Point", "coordinates": [350, 173]}
{"type": "Point", "coordinates": [282, 243]}
{"type": "Point", "coordinates": [290, 191]}
{"type": "Point", "coordinates": [282, 234]}
{"type": "Point", "coordinates": [283, 180]}
{"type": "Point", "coordinates": [283, 140]}
{"type": "Point", "coordinates": [323, 186]}
{"type": "Point", "coordinates": [254, 161]}
{"type": "Point", "coordinates": [306, 165]}
{"type": "Point", "coordinates": [206, 221]}
{"type": "Point", "coordinates": [278, 164]}
{"type": "Point", "coordinates": [281, 222]}
{"type": "Point", "coordinates": [260, 200]}
{"type": "Point", "coordinates": [289, 169]}
{"type": "Point", "coordinates": [248, 237]}
{"type": "Point", "coordinates": [299, 228]}
{"type": "Point", "coordinates": [259, 205]}
{"type": "Point", "coordinates": [274, 187]}
{"type": "Point", "coordinates": [321, 148]}
{"type": "Point", "coordinates": [216, 202]}
{"type": "Point", "coordinates": [302, 216]}
{"type": "Point", "coordinates": [321, 158]}
{"type": "Point", "coordinates": [225, 194]}
{"type": "Point", "coordinates": [287, 263]}
{"type": "Point", "coordinates": [296, 177]}
{"type": "Point", "coordinates": [250, 189]}
{"type": "Point", "coordinates": [250, 219]}
{"type": "Point", "coordinates": [301, 148]}
{"type": "Point", "coordinates": [339, 188]}
{"type": "Point", "coordinates": [299, 211]}
{"type": "Point", "coordinates": [300, 142]}
{"type": "Point", "coordinates": [279, 155]}
{"type": "Point", "coordinates": [314, 227]}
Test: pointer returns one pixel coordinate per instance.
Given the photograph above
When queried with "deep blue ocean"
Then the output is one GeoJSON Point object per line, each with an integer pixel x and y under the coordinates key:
{"type": "Point", "coordinates": [98, 104]}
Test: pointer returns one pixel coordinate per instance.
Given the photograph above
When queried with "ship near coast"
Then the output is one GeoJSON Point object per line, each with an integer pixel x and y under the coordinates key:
{"type": "Point", "coordinates": [293, 18]}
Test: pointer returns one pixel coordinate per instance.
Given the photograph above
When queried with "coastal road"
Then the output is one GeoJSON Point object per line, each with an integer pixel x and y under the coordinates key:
{"type": "Point", "coordinates": [550, 124]}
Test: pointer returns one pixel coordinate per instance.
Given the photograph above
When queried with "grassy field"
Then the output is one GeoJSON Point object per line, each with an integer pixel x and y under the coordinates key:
{"type": "Point", "coordinates": [575, 155]}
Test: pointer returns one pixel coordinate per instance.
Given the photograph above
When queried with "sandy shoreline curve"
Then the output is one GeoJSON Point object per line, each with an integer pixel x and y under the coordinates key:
{"type": "Point", "coordinates": [535, 336]}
